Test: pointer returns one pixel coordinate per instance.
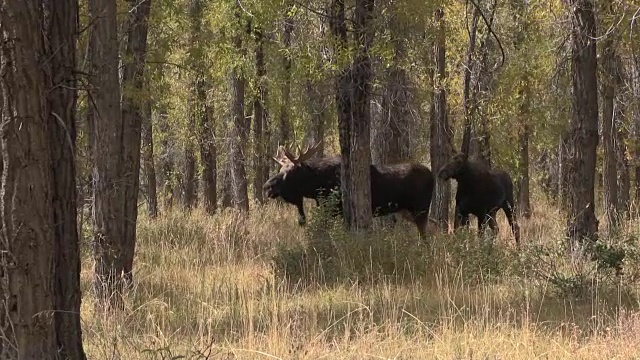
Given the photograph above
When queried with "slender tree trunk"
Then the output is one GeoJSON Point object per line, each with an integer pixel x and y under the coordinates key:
{"type": "Point", "coordinates": [189, 195]}
{"type": "Point", "coordinates": [226, 200]}
{"type": "Point", "coordinates": [635, 105]}
{"type": "Point", "coordinates": [260, 166]}
{"type": "Point", "coordinates": [240, 132]}
{"type": "Point", "coordinates": [208, 151]}
{"type": "Point", "coordinates": [167, 160]}
{"type": "Point", "coordinates": [441, 134]}
{"type": "Point", "coordinates": [62, 31]}
{"type": "Point", "coordinates": [582, 222]}
{"type": "Point", "coordinates": [148, 163]}
{"type": "Point", "coordinates": [354, 124]}
{"type": "Point", "coordinates": [318, 111]}
{"type": "Point", "coordinates": [132, 115]}
{"type": "Point", "coordinates": [609, 131]}
{"type": "Point", "coordinates": [285, 128]}
{"type": "Point", "coordinates": [27, 238]}
{"type": "Point", "coordinates": [106, 119]}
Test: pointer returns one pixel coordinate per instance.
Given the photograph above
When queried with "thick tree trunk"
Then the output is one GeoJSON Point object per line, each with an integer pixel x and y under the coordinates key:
{"type": "Point", "coordinates": [285, 128]}
{"type": "Point", "coordinates": [239, 132]}
{"type": "Point", "coordinates": [106, 119]}
{"type": "Point", "coordinates": [28, 239]}
{"type": "Point", "coordinates": [132, 114]}
{"type": "Point", "coordinates": [148, 164]}
{"type": "Point", "coordinates": [354, 124]}
{"type": "Point", "coordinates": [260, 124]}
{"type": "Point", "coordinates": [62, 30]}
{"type": "Point", "coordinates": [609, 131]}
{"type": "Point", "coordinates": [441, 134]}
{"type": "Point", "coordinates": [582, 223]}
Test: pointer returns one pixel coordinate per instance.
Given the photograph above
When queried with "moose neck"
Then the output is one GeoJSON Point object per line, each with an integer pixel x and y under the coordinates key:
{"type": "Point", "coordinates": [462, 176]}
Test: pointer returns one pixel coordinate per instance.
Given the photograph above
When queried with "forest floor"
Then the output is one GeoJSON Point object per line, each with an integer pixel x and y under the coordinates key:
{"type": "Point", "coordinates": [262, 287]}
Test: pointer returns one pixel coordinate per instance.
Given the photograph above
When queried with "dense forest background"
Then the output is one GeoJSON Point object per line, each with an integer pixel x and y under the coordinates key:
{"type": "Point", "coordinates": [138, 134]}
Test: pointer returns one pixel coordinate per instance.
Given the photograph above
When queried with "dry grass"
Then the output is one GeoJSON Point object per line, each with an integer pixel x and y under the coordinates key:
{"type": "Point", "coordinates": [228, 287]}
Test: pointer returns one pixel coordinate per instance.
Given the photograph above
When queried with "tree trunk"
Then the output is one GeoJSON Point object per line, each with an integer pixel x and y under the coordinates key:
{"type": "Point", "coordinates": [441, 134]}
{"type": "Point", "coordinates": [189, 195]}
{"type": "Point", "coordinates": [208, 151]}
{"type": "Point", "coordinates": [167, 161]}
{"type": "Point", "coordinates": [106, 119]}
{"type": "Point", "coordinates": [260, 124]}
{"type": "Point", "coordinates": [28, 239]}
{"type": "Point", "coordinates": [226, 200]}
{"type": "Point", "coordinates": [610, 171]}
{"type": "Point", "coordinates": [318, 111]}
{"type": "Point", "coordinates": [285, 128]}
{"type": "Point", "coordinates": [240, 133]}
{"type": "Point", "coordinates": [582, 223]}
{"type": "Point", "coordinates": [132, 114]}
{"type": "Point", "coordinates": [521, 17]}
{"type": "Point", "coordinates": [635, 103]}
{"type": "Point", "coordinates": [354, 124]}
{"type": "Point", "coordinates": [62, 30]}
{"type": "Point", "coordinates": [148, 163]}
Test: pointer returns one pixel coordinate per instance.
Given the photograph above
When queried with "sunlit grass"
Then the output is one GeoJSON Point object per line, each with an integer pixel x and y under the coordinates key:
{"type": "Point", "coordinates": [259, 286]}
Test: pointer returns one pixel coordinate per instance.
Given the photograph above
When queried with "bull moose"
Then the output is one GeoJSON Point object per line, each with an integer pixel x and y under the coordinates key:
{"type": "Point", "coordinates": [405, 188]}
{"type": "Point", "coordinates": [481, 191]}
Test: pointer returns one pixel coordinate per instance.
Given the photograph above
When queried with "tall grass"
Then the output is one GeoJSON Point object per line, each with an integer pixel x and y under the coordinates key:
{"type": "Point", "coordinates": [260, 286]}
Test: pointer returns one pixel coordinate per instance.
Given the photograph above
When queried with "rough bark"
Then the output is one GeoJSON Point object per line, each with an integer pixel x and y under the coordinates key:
{"type": "Point", "coordinates": [260, 124]}
{"type": "Point", "coordinates": [441, 134]}
{"type": "Point", "coordinates": [354, 119]}
{"type": "Point", "coordinates": [148, 164]}
{"type": "Point", "coordinates": [27, 237]}
{"type": "Point", "coordinates": [62, 29]}
{"type": "Point", "coordinates": [523, 206]}
{"type": "Point", "coordinates": [582, 223]}
{"type": "Point", "coordinates": [240, 133]}
{"type": "Point", "coordinates": [106, 120]}
{"type": "Point", "coordinates": [467, 106]}
{"type": "Point", "coordinates": [132, 114]}
{"type": "Point", "coordinates": [635, 105]}
{"type": "Point", "coordinates": [609, 131]}
{"type": "Point", "coordinates": [316, 126]}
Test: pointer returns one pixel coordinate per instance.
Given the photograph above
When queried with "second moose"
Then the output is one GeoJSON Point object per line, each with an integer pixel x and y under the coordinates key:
{"type": "Point", "coordinates": [403, 188]}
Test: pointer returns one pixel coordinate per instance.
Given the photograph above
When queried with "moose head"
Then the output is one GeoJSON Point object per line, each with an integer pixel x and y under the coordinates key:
{"type": "Point", "coordinates": [454, 167]}
{"type": "Point", "coordinates": [292, 175]}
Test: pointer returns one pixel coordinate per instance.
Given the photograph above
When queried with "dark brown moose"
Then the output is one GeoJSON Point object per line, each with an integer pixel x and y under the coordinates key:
{"type": "Point", "coordinates": [403, 188]}
{"type": "Point", "coordinates": [482, 192]}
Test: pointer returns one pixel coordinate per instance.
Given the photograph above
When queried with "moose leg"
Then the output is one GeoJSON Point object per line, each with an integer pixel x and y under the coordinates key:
{"type": "Point", "coordinates": [508, 210]}
{"type": "Point", "coordinates": [421, 219]}
{"type": "Point", "coordinates": [302, 218]}
{"type": "Point", "coordinates": [461, 218]}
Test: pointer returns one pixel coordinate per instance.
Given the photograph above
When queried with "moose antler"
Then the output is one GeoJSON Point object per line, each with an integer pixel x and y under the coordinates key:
{"type": "Point", "coordinates": [302, 155]}
{"type": "Point", "coordinates": [280, 157]}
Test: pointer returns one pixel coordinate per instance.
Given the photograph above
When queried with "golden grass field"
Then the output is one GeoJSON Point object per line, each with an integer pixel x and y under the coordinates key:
{"type": "Point", "coordinates": [234, 287]}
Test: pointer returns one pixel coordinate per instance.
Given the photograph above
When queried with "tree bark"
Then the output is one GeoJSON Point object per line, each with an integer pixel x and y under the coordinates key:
{"type": "Point", "coordinates": [441, 148]}
{"type": "Point", "coordinates": [609, 131]}
{"type": "Point", "coordinates": [189, 178]}
{"type": "Point", "coordinates": [148, 163]}
{"type": "Point", "coordinates": [106, 119]}
{"type": "Point", "coordinates": [132, 115]}
{"type": "Point", "coordinates": [28, 240]}
{"type": "Point", "coordinates": [354, 118]}
{"type": "Point", "coordinates": [62, 29]}
{"type": "Point", "coordinates": [260, 122]}
{"type": "Point", "coordinates": [467, 106]}
{"type": "Point", "coordinates": [582, 223]}
{"type": "Point", "coordinates": [167, 161]}
{"type": "Point", "coordinates": [240, 131]}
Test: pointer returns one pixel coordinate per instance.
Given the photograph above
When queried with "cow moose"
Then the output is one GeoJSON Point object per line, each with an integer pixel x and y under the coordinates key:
{"type": "Point", "coordinates": [482, 192]}
{"type": "Point", "coordinates": [405, 188]}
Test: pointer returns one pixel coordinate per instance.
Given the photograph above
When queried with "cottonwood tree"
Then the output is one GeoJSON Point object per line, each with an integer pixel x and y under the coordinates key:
{"type": "Point", "coordinates": [133, 82]}
{"type": "Point", "coordinates": [354, 117]}
{"type": "Point", "coordinates": [105, 119]}
{"type": "Point", "coordinates": [260, 120]}
{"type": "Point", "coordinates": [582, 223]}
{"type": "Point", "coordinates": [38, 201]}
{"type": "Point", "coordinates": [441, 133]}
